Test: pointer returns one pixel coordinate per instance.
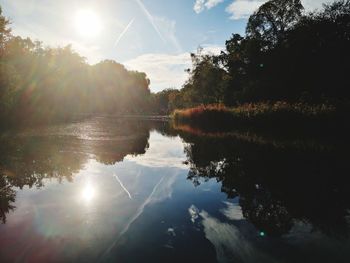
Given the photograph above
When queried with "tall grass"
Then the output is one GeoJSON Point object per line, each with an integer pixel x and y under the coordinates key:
{"type": "Point", "coordinates": [272, 116]}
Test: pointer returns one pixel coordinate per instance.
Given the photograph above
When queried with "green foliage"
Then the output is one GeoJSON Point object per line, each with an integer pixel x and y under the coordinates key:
{"type": "Point", "coordinates": [270, 22]}
{"type": "Point", "coordinates": [286, 55]}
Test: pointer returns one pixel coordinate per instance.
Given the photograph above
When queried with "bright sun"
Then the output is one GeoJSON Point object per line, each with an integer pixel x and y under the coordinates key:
{"type": "Point", "coordinates": [87, 23]}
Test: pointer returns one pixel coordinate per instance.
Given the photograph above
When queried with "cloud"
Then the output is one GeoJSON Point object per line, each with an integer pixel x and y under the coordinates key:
{"type": "Point", "coordinates": [200, 5]}
{"type": "Point", "coordinates": [166, 70]}
{"type": "Point", "coordinates": [212, 3]}
{"type": "Point", "coordinates": [242, 9]}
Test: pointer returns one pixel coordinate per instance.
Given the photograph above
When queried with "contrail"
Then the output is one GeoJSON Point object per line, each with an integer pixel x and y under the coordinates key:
{"type": "Point", "coordinates": [124, 31]}
{"type": "Point", "coordinates": [121, 184]}
{"type": "Point", "coordinates": [150, 18]}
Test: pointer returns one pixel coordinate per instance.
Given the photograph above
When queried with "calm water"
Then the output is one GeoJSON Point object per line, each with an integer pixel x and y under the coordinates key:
{"type": "Point", "coordinates": [107, 190]}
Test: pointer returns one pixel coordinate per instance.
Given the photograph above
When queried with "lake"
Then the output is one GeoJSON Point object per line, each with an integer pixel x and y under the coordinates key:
{"type": "Point", "coordinates": [133, 190]}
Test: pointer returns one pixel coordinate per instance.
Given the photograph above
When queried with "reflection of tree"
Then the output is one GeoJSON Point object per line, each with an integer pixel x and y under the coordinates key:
{"type": "Point", "coordinates": [120, 138]}
{"type": "Point", "coordinates": [28, 161]}
{"type": "Point", "coordinates": [31, 157]}
{"type": "Point", "coordinates": [275, 184]}
{"type": "Point", "coordinates": [7, 197]}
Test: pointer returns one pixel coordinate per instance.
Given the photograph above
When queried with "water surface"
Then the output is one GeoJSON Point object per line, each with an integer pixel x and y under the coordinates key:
{"type": "Point", "coordinates": [121, 190]}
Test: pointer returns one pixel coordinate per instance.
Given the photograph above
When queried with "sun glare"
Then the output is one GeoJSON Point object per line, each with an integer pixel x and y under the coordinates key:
{"type": "Point", "coordinates": [87, 23]}
{"type": "Point", "coordinates": [88, 193]}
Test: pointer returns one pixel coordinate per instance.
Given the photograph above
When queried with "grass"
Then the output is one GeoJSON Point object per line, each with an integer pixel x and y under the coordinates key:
{"type": "Point", "coordinates": [276, 117]}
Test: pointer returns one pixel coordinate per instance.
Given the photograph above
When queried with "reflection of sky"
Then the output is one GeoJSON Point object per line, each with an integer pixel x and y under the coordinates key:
{"type": "Point", "coordinates": [142, 204]}
{"type": "Point", "coordinates": [162, 152]}
{"type": "Point", "coordinates": [98, 207]}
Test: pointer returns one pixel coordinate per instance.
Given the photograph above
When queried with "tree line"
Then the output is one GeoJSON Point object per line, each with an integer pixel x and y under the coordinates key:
{"type": "Point", "coordinates": [44, 84]}
{"type": "Point", "coordinates": [287, 54]}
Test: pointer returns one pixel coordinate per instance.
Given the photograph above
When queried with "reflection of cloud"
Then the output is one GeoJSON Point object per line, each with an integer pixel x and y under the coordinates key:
{"type": "Point", "coordinates": [194, 212]}
{"type": "Point", "coordinates": [226, 239]}
{"type": "Point", "coordinates": [233, 211]}
{"type": "Point", "coordinates": [230, 244]}
{"type": "Point", "coordinates": [163, 152]}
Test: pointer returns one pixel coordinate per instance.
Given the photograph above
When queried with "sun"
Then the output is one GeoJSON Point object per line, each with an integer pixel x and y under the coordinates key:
{"type": "Point", "coordinates": [87, 23]}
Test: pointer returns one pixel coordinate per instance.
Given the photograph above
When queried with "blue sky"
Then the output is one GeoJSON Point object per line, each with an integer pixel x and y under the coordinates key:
{"type": "Point", "coordinates": [154, 36]}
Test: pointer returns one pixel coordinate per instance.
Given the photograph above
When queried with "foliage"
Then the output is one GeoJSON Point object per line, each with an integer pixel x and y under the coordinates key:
{"type": "Point", "coordinates": [41, 84]}
{"type": "Point", "coordinates": [286, 55]}
{"type": "Point", "coordinates": [263, 116]}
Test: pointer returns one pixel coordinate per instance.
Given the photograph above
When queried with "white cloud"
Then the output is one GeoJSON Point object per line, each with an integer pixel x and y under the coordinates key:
{"type": "Point", "coordinates": [200, 5]}
{"type": "Point", "coordinates": [242, 9]}
{"type": "Point", "coordinates": [166, 70]}
{"type": "Point", "coordinates": [212, 3]}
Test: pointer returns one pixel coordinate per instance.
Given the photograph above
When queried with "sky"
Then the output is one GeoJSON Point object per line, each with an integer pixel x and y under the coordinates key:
{"type": "Point", "coordinates": [152, 36]}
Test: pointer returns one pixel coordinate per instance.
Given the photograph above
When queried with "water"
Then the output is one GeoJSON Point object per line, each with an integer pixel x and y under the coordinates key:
{"type": "Point", "coordinates": [113, 190]}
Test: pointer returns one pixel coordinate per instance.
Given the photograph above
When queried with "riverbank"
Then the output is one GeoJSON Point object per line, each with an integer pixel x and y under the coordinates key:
{"type": "Point", "coordinates": [267, 117]}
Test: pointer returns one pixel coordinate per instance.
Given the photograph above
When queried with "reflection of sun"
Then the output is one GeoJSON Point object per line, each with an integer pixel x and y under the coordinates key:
{"type": "Point", "coordinates": [88, 193]}
{"type": "Point", "coordinates": [87, 23]}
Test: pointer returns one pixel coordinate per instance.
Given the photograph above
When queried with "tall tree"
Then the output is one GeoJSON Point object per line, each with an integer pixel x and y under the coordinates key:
{"type": "Point", "coordinates": [272, 20]}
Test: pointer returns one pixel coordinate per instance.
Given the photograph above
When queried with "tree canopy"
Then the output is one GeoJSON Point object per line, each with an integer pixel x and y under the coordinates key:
{"type": "Point", "coordinates": [41, 84]}
{"type": "Point", "coordinates": [287, 54]}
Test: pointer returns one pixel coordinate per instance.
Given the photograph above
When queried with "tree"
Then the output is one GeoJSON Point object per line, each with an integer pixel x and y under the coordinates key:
{"type": "Point", "coordinates": [5, 31]}
{"type": "Point", "coordinates": [204, 85]}
{"type": "Point", "coordinates": [272, 20]}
